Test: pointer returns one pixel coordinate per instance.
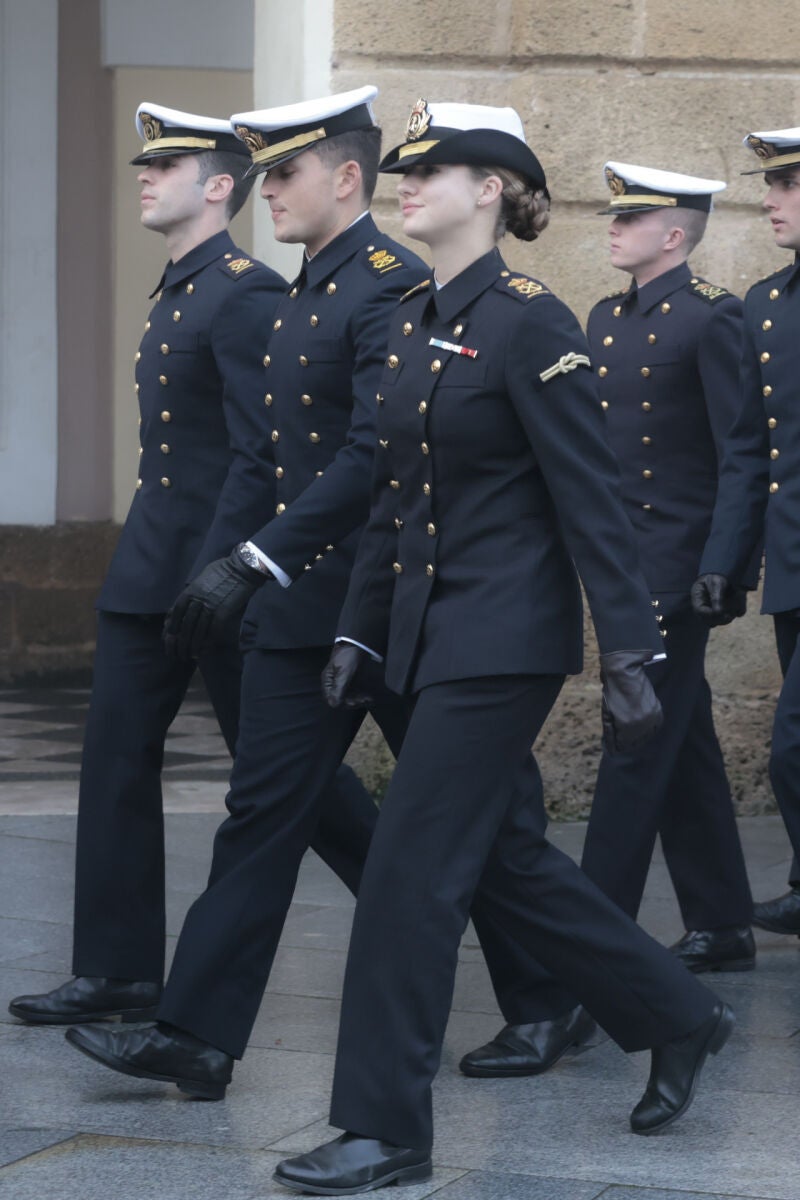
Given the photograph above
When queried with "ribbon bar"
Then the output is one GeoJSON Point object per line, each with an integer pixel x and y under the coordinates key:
{"type": "Point", "coordinates": [440, 345]}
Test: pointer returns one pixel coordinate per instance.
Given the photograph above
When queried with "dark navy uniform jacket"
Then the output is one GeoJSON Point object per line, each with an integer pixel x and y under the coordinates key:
{"type": "Point", "coordinates": [493, 472]}
{"type": "Point", "coordinates": [759, 490]}
{"type": "Point", "coordinates": [667, 357]}
{"type": "Point", "coordinates": [206, 477]}
{"type": "Point", "coordinates": [326, 353]}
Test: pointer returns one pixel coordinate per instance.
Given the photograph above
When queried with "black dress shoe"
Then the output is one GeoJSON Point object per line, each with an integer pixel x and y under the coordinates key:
{"type": "Point", "coordinates": [730, 949]}
{"type": "Point", "coordinates": [89, 998]}
{"type": "Point", "coordinates": [781, 915]}
{"type": "Point", "coordinates": [675, 1072]}
{"type": "Point", "coordinates": [530, 1049]}
{"type": "Point", "coordinates": [352, 1164]}
{"type": "Point", "coordinates": [153, 1053]}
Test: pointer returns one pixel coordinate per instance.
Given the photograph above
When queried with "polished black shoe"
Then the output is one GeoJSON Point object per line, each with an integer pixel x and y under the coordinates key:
{"type": "Point", "coordinates": [170, 1056]}
{"type": "Point", "coordinates": [730, 949]}
{"type": "Point", "coordinates": [352, 1164]}
{"type": "Point", "coordinates": [531, 1049]}
{"type": "Point", "coordinates": [781, 915]}
{"type": "Point", "coordinates": [89, 998]}
{"type": "Point", "coordinates": [675, 1072]}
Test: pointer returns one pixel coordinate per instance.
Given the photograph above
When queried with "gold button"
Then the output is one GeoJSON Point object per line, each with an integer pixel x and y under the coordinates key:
{"type": "Point", "coordinates": [147, 326]}
{"type": "Point", "coordinates": [397, 568]}
{"type": "Point", "coordinates": [229, 255]}
{"type": "Point", "coordinates": [436, 366]}
{"type": "Point", "coordinates": [504, 274]}
{"type": "Point", "coordinates": [136, 388]}
{"type": "Point", "coordinates": [646, 405]}
{"type": "Point", "coordinates": [313, 437]}
{"type": "Point", "coordinates": [651, 337]}
{"type": "Point", "coordinates": [398, 523]}
{"type": "Point", "coordinates": [646, 441]}
{"type": "Point", "coordinates": [277, 324]}
{"type": "Point", "coordinates": [138, 484]}
{"type": "Point", "coordinates": [268, 399]}
{"type": "Point", "coordinates": [162, 379]}
{"type": "Point", "coordinates": [774, 453]}
{"type": "Point", "coordinates": [429, 569]}
{"type": "Point", "coordinates": [176, 316]}
{"type": "Point", "coordinates": [774, 294]}
{"type": "Point", "coordinates": [275, 435]}
{"type": "Point", "coordinates": [646, 372]}
{"type": "Point", "coordinates": [431, 530]}
{"type": "Point", "coordinates": [602, 372]}
{"type": "Point", "coordinates": [370, 249]}
{"type": "Point", "coordinates": [267, 360]}
{"type": "Point", "coordinates": [647, 474]}
{"type": "Point", "coordinates": [137, 356]}
{"type": "Point", "coordinates": [663, 632]}
{"type": "Point", "coordinates": [423, 406]}
{"type": "Point", "coordinates": [426, 487]}
{"type": "Point", "coordinates": [617, 310]}
{"type": "Point", "coordinates": [766, 391]}
{"type": "Point", "coordinates": [293, 294]}
{"type": "Point", "coordinates": [408, 329]}
{"type": "Point", "coordinates": [313, 320]}
{"type": "Point", "coordinates": [166, 417]}
{"type": "Point", "coordinates": [280, 508]}
{"type": "Point", "coordinates": [306, 399]}
{"type": "Point", "coordinates": [378, 399]}
{"type": "Point", "coordinates": [165, 482]}
{"type": "Point", "coordinates": [141, 451]}
{"type": "Point", "coordinates": [383, 443]}
{"type": "Point", "coordinates": [604, 404]}
{"type": "Point", "coordinates": [773, 424]}
{"type": "Point", "coordinates": [656, 603]}
{"type": "Point", "coordinates": [647, 507]}
{"type": "Point", "coordinates": [331, 289]}
{"type": "Point", "coordinates": [425, 448]}
{"type": "Point", "coordinates": [279, 472]}
{"type": "Point", "coordinates": [392, 361]}
{"type": "Point", "coordinates": [665, 308]}
{"type": "Point", "coordinates": [140, 422]}
{"type": "Point", "coordinates": [164, 348]}
{"type": "Point", "coordinates": [189, 289]}
{"type": "Point", "coordinates": [608, 340]}
{"type": "Point", "coordinates": [764, 356]}
{"type": "Point", "coordinates": [164, 448]}
{"type": "Point", "coordinates": [458, 330]}
{"type": "Point", "coordinates": [303, 360]}
{"type": "Point", "coordinates": [659, 617]}
{"type": "Point", "coordinates": [695, 280]}
{"type": "Point", "coordinates": [766, 324]}
{"type": "Point", "coordinates": [394, 483]}
{"type": "Point", "coordinates": [773, 487]}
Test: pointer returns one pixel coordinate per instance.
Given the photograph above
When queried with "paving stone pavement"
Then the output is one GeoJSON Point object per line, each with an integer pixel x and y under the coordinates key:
{"type": "Point", "coordinates": [69, 1128]}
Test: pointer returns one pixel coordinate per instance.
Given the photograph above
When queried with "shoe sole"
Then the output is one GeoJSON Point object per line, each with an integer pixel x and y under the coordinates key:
{"type": "Point", "coordinates": [733, 964]}
{"type": "Point", "coordinates": [402, 1177]}
{"type": "Point", "coordinates": [572, 1050]}
{"type": "Point", "coordinates": [717, 1039]}
{"type": "Point", "coordinates": [126, 1016]}
{"type": "Point", "coordinates": [774, 927]}
{"type": "Point", "coordinates": [191, 1087]}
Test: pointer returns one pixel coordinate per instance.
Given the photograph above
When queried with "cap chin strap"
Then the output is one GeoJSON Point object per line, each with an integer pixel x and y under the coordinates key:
{"type": "Point", "coordinates": [416, 148]}
{"type": "Point", "coordinates": [303, 139]}
{"type": "Point", "coordinates": [631, 198]}
{"type": "Point", "coordinates": [180, 143]}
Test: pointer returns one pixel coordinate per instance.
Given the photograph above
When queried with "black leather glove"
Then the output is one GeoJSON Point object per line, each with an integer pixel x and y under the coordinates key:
{"type": "Point", "coordinates": [216, 597]}
{"type": "Point", "coordinates": [717, 601]}
{"type": "Point", "coordinates": [340, 683]}
{"type": "Point", "coordinates": [631, 710]}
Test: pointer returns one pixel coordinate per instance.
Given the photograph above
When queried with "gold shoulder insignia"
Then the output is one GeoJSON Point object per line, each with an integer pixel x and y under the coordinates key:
{"type": "Point", "coordinates": [526, 287]}
{"type": "Point", "coordinates": [382, 261]}
{"type": "Point", "coordinates": [238, 265]}
{"type": "Point", "coordinates": [420, 287]}
{"type": "Point", "coordinates": [708, 291]}
{"type": "Point", "coordinates": [616, 295]}
{"type": "Point", "coordinates": [565, 364]}
{"type": "Point", "coordinates": [774, 274]}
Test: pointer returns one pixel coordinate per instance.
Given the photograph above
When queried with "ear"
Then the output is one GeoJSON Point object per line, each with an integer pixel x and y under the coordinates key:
{"type": "Point", "coordinates": [218, 188]}
{"type": "Point", "coordinates": [491, 188]}
{"type": "Point", "coordinates": [347, 179]}
{"type": "Point", "coordinates": [674, 237]}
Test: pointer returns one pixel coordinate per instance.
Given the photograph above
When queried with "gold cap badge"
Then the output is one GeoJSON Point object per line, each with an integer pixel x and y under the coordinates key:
{"type": "Point", "coordinates": [418, 121]}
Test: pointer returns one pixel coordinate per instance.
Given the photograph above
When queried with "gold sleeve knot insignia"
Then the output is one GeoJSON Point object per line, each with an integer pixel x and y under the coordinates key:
{"type": "Point", "coordinates": [708, 291]}
{"type": "Point", "coordinates": [567, 363]}
{"type": "Point", "coordinates": [382, 261]}
{"type": "Point", "coordinates": [420, 287]}
{"type": "Point", "coordinates": [237, 265]}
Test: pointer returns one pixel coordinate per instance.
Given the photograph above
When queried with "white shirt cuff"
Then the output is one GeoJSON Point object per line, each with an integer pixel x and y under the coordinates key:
{"type": "Point", "coordinates": [361, 646]}
{"type": "Point", "coordinates": [283, 579]}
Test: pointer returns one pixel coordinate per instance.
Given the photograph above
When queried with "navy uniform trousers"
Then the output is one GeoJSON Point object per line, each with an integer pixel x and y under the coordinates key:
{"type": "Point", "coordinates": [462, 810]}
{"type": "Point", "coordinates": [137, 691]}
{"type": "Point", "coordinates": [784, 762]}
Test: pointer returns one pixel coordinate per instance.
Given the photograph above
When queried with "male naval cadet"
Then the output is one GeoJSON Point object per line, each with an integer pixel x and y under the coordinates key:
{"type": "Point", "coordinates": [759, 492]}
{"type": "Point", "coordinates": [206, 478]}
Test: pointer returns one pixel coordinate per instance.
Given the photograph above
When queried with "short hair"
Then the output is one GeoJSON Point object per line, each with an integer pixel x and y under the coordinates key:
{"type": "Point", "coordinates": [361, 145]}
{"type": "Point", "coordinates": [227, 162]}
{"type": "Point", "coordinates": [692, 221]}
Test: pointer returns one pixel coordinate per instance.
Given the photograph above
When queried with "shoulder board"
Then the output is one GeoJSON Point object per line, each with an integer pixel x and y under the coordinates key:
{"type": "Point", "coordinates": [616, 295]}
{"type": "Point", "coordinates": [522, 287]}
{"type": "Point", "coordinates": [774, 274]}
{"type": "Point", "coordinates": [426, 283]}
{"type": "Point", "coordinates": [238, 265]}
{"type": "Point", "coordinates": [707, 291]}
{"type": "Point", "coordinates": [381, 261]}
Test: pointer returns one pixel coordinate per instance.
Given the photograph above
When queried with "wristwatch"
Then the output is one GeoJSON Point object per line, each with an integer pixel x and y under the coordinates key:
{"type": "Point", "coordinates": [249, 556]}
